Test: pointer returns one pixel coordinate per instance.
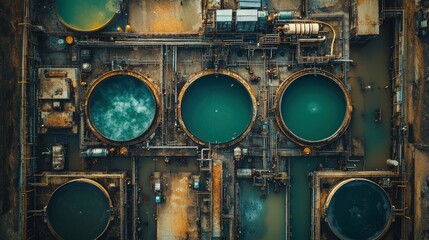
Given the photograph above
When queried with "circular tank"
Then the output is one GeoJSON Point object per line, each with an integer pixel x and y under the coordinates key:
{"type": "Point", "coordinates": [358, 209]}
{"type": "Point", "coordinates": [84, 15]}
{"type": "Point", "coordinates": [122, 107]}
{"type": "Point", "coordinates": [79, 209]}
{"type": "Point", "coordinates": [312, 107]}
{"type": "Point", "coordinates": [216, 107]}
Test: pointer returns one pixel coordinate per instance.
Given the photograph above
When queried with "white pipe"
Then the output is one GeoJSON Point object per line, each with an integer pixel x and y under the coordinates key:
{"type": "Point", "coordinates": [172, 147]}
{"type": "Point", "coordinates": [202, 152]}
{"type": "Point", "coordinates": [308, 40]}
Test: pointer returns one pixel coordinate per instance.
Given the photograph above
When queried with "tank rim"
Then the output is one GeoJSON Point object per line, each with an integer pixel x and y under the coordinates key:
{"type": "Point", "coordinates": [281, 123]}
{"type": "Point", "coordinates": [81, 30]}
{"type": "Point", "coordinates": [155, 94]}
{"type": "Point", "coordinates": [341, 184]}
{"type": "Point", "coordinates": [85, 180]}
{"type": "Point", "coordinates": [233, 75]}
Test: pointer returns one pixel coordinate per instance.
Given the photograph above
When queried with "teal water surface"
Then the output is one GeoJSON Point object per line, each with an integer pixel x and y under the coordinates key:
{"type": "Point", "coordinates": [86, 15]}
{"type": "Point", "coordinates": [313, 107]}
{"type": "Point", "coordinates": [262, 216]}
{"type": "Point", "coordinates": [359, 210]}
{"type": "Point", "coordinates": [216, 108]}
{"type": "Point", "coordinates": [122, 108]}
{"type": "Point", "coordinates": [300, 196]}
{"type": "Point", "coordinates": [78, 210]}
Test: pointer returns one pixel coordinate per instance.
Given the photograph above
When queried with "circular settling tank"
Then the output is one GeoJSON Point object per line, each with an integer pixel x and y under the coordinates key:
{"type": "Point", "coordinates": [313, 107]}
{"type": "Point", "coordinates": [79, 209]}
{"type": "Point", "coordinates": [84, 15]}
{"type": "Point", "coordinates": [358, 209]}
{"type": "Point", "coordinates": [217, 107]}
{"type": "Point", "coordinates": [122, 107]}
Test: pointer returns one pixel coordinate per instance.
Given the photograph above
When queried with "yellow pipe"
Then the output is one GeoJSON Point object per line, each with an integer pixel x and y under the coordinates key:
{"type": "Point", "coordinates": [333, 31]}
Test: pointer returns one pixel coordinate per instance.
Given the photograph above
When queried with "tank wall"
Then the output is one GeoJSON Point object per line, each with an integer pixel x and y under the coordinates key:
{"type": "Point", "coordinates": [336, 133]}
{"type": "Point", "coordinates": [133, 116]}
{"type": "Point", "coordinates": [225, 102]}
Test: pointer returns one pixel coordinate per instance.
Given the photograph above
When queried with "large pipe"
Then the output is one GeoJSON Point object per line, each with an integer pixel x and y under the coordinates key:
{"type": "Point", "coordinates": [301, 28]}
{"type": "Point", "coordinates": [313, 32]}
{"type": "Point", "coordinates": [312, 40]}
{"type": "Point", "coordinates": [23, 126]}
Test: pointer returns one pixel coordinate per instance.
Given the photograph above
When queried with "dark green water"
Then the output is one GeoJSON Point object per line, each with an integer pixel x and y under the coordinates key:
{"type": "Point", "coordinates": [313, 107]}
{"type": "Point", "coordinates": [86, 15]}
{"type": "Point", "coordinates": [216, 108]}
{"type": "Point", "coordinates": [79, 210]}
{"type": "Point", "coordinates": [300, 196]}
{"type": "Point", "coordinates": [359, 210]}
{"type": "Point", "coordinates": [122, 108]}
{"type": "Point", "coordinates": [262, 217]}
{"type": "Point", "coordinates": [371, 68]}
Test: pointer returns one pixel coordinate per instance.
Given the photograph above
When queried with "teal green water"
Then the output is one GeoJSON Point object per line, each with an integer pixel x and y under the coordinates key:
{"type": "Point", "coordinates": [359, 210]}
{"type": "Point", "coordinates": [313, 107]}
{"type": "Point", "coordinates": [300, 196]}
{"type": "Point", "coordinates": [86, 15]}
{"type": "Point", "coordinates": [122, 108]}
{"type": "Point", "coordinates": [78, 210]}
{"type": "Point", "coordinates": [262, 217]}
{"type": "Point", "coordinates": [216, 108]}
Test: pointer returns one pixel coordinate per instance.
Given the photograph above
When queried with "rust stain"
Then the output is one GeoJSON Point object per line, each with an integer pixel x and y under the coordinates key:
{"type": "Point", "coordinates": [217, 189]}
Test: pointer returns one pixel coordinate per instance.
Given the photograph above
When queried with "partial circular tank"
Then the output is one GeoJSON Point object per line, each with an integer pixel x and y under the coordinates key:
{"type": "Point", "coordinates": [358, 209]}
{"type": "Point", "coordinates": [79, 209]}
{"type": "Point", "coordinates": [313, 107]}
{"type": "Point", "coordinates": [216, 107]}
{"type": "Point", "coordinates": [84, 15]}
{"type": "Point", "coordinates": [122, 107]}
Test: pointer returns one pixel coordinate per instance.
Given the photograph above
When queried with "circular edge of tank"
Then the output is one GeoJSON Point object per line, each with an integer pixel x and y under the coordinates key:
{"type": "Point", "coordinates": [344, 182]}
{"type": "Point", "coordinates": [235, 76]}
{"type": "Point", "coordinates": [158, 108]}
{"type": "Point", "coordinates": [89, 181]}
{"type": "Point", "coordinates": [279, 118]}
{"type": "Point", "coordinates": [77, 29]}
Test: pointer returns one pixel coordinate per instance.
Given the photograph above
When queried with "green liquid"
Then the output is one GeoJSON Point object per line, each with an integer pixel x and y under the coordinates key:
{"type": "Point", "coordinates": [313, 107]}
{"type": "Point", "coordinates": [86, 15]}
{"type": "Point", "coordinates": [359, 210]}
{"type": "Point", "coordinates": [79, 210]}
{"type": "Point", "coordinates": [262, 217]}
{"type": "Point", "coordinates": [300, 196]}
{"type": "Point", "coordinates": [216, 108]}
{"type": "Point", "coordinates": [122, 108]}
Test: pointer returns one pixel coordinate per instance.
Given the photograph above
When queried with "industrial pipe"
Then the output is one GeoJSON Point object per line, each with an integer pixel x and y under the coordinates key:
{"type": "Point", "coordinates": [311, 40]}
{"type": "Point", "coordinates": [322, 23]}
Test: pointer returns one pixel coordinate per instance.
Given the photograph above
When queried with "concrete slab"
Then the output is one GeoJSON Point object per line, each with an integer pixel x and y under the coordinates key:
{"type": "Point", "coordinates": [285, 5]}
{"type": "Point", "coordinates": [366, 19]}
{"type": "Point", "coordinates": [358, 147]}
{"type": "Point", "coordinates": [165, 16]}
{"type": "Point", "coordinates": [177, 215]}
{"type": "Point", "coordinates": [421, 201]}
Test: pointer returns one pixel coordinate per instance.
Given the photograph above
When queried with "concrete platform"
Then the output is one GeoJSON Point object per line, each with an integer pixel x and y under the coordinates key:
{"type": "Point", "coordinates": [165, 16]}
{"type": "Point", "coordinates": [177, 215]}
